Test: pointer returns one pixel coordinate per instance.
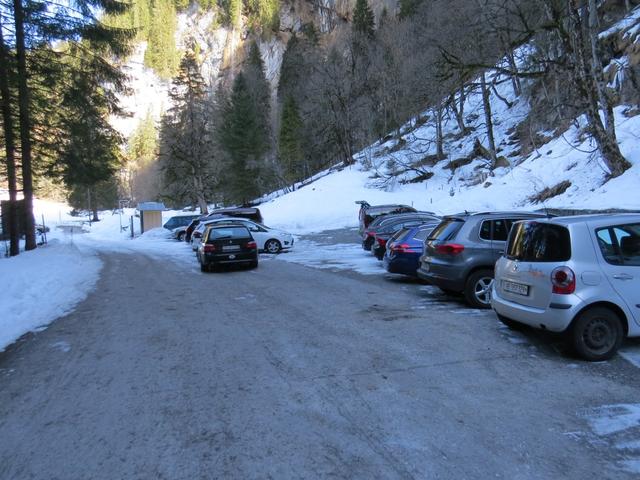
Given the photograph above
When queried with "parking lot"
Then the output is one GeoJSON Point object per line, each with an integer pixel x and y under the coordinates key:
{"type": "Point", "coordinates": [311, 366]}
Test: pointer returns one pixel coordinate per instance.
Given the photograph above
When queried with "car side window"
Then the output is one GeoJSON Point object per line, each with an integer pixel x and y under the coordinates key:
{"type": "Point", "coordinates": [620, 245]}
{"type": "Point", "coordinates": [501, 229]}
{"type": "Point", "coordinates": [485, 230]}
{"type": "Point", "coordinates": [628, 238]}
{"type": "Point", "coordinates": [608, 246]}
{"type": "Point", "coordinates": [422, 235]}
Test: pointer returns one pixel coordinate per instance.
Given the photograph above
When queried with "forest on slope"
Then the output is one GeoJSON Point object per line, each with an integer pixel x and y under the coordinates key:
{"type": "Point", "coordinates": [350, 74]}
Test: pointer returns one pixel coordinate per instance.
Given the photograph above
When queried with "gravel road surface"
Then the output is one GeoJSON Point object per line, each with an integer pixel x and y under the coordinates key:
{"type": "Point", "coordinates": [292, 372]}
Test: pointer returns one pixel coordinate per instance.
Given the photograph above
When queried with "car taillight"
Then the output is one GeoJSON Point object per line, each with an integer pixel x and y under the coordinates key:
{"type": "Point", "coordinates": [563, 280]}
{"type": "Point", "coordinates": [209, 248]}
{"type": "Point", "coordinates": [382, 241]}
{"type": "Point", "coordinates": [401, 248]}
{"type": "Point", "coordinates": [450, 248]}
{"type": "Point", "coordinates": [371, 234]}
{"type": "Point", "coordinates": [251, 245]}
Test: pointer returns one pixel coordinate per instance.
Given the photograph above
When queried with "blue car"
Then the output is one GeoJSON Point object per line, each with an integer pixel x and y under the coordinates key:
{"type": "Point", "coordinates": [405, 248]}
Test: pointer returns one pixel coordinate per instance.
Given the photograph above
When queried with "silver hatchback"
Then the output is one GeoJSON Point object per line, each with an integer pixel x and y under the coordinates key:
{"type": "Point", "coordinates": [579, 275]}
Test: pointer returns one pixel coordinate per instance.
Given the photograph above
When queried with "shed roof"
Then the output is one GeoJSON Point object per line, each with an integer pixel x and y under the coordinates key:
{"type": "Point", "coordinates": [144, 206]}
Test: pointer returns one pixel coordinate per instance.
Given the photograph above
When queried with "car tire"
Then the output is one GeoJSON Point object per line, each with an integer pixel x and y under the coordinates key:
{"type": "Point", "coordinates": [272, 246]}
{"type": "Point", "coordinates": [511, 324]}
{"type": "Point", "coordinates": [254, 264]}
{"type": "Point", "coordinates": [477, 290]}
{"type": "Point", "coordinates": [181, 236]}
{"type": "Point", "coordinates": [203, 268]}
{"type": "Point", "coordinates": [596, 334]}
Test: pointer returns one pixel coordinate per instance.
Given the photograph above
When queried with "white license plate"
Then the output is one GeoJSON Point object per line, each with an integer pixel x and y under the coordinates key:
{"type": "Point", "coordinates": [230, 248]}
{"type": "Point", "coordinates": [517, 288]}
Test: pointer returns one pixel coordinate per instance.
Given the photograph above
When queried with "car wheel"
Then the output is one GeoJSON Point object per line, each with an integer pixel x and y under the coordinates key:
{"type": "Point", "coordinates": [477, 291]}
{"type": "Point", "coordinates": [511, 324]}
{"type": "Point", "coordinates": [203, 268]}
{"type": "Point", "coordinates": [597, 334]}
{"type": "Point", "coordinates": [181, 236]}
{"type": "Point", "coordinates": [272, 246]}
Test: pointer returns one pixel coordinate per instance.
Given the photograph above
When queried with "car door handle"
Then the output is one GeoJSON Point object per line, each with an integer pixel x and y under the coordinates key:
{"type": "Point", "coordinates": [623, 276]}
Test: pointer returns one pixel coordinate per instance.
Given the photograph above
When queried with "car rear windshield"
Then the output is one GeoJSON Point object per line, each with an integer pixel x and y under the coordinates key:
{"type": "Point", "coordinates": [446, 230]}
{"type": "Point", "coordinates": [228, 232]}
{"type": "Point", "coordinates": [539, 242]}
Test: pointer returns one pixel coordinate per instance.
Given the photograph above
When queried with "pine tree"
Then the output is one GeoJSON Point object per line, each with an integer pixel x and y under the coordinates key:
{"type": "Point", "coordinates": [363, 19]}
{"type": "Point", "coordinates": [290, 141]}
{"type": "Point", "coordinates": [162, 54]}
{"type": "Point", "coordinates": [142, 154]}
{"type": "Point", "coordinates": [188, 157]}
{"type": "Point", "coordinates": [45, 47]}
{"type": "Point", "coordinates": [243, 137]}
{"type": "Point", "coordinates": [234, 12]}
{"type": "Point", "coordinates": [264, 14]}
{"type": "Point", "coordinates": [408, 8]}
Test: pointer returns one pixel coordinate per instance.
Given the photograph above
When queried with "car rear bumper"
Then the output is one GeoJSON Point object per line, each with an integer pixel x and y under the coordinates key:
{"type": "Point", "coordinates": [367, 243]}
{"type": "Point", "coordinates": [439, 280]}
{"type": "Point", "coordinates": [402, 265]}
{"type": "Point", "coordinates": [555, 319]}
{"type": "Point", "coordinates": [225, 258]}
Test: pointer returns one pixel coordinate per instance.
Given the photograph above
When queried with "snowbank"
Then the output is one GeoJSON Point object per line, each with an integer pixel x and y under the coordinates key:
{"type": "Point", "coordinates": [39, 286]}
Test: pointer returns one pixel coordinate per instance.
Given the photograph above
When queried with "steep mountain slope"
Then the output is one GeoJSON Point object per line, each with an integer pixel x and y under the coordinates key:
{"type": "Point", "coordinates": [563, 171]}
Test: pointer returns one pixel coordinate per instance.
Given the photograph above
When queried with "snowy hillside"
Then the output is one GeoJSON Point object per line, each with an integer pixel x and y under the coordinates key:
{"type": "Point", "coordinates": [564, 170]}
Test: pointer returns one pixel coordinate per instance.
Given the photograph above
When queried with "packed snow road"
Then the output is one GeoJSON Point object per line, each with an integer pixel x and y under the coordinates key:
{"type": "Point", "coordinates": [294, 372]}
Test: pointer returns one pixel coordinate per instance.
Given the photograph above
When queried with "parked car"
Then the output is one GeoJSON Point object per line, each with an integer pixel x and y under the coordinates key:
{"type": "Point", "coordinates": [238, 212]}
{"type": "Point", "coordinates": [382, 236]}
{"type": "Point", "coordinates": [461, 252]}
{"type": "Point", "coordinates": [389, 223]}
{"type": "Point", "coordinates": [190, 228]}
{"type": "Point", "coordinates": [405, 248]}
{"type": "Point", "coordinates": [227, 244]}
{"type": "Point", "coordinates": [368, 213]}
{"type": "Point", "coordinates": [250, 213]}
{"type": "Point", "coordinates": [269, 240]}
{"type": "Point", "coordinates": [380, 233]}
{"type": "Point", "coordinates": [579, 275]}
{"type": "Point", "coordinates": [178, 225]}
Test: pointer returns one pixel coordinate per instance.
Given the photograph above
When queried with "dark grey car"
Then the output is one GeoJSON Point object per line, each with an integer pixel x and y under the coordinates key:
{"type": "Point", "coordinates": [461, 252]}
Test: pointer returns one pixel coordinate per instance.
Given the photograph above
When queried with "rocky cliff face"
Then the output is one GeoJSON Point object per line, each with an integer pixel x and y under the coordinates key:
{"type": "Point", "coordinates": [223, 51]}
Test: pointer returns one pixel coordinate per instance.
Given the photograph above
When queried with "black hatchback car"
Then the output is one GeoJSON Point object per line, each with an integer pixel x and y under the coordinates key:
{"type": "Point", "coordinates": [227, 245]}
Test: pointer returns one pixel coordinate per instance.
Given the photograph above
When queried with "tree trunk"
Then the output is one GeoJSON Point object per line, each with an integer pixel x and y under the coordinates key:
{"type": "Point", "coordinates": [439, 137]}
{"type": "Point", "coordinates": [596, 71]}
{"type": "Point", "coordinates": [199, 190]}
{"type": "Point", "coordinates": [515, 79]}
{"type": "Point", "coordinates": [586, 76]}
{"type": "Point", "coordinates": [488, 120]}
{"type": "Point", "coordinates": [10, 147]}
{"type": "Point", "coordinates": [458, 111]}
{"type": "Point", "coordinates": [25, 126]}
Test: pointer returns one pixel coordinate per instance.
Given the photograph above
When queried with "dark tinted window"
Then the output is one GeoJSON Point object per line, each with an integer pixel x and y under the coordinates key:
{"type": "Point", "coordinates": [539, 242]}
{"type": "Point", "coordinates": [501, 229]}
{"type": "Point", "coordinates": [422, 234]}
{"type": "Point", "coordinates": [485, 230]}
{"type": "Point", "coordinates": [228, 232]}
{"type": "Point", "coordinates": [446, 230]}
{"type": "Point", "coordinates": [399, 234]}
{"type": "Point", "coordinates": [620, 245]}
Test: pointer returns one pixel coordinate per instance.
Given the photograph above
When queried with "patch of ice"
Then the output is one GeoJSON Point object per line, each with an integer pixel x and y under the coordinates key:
{"type": "Point", "coordinates": [611, 419]}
